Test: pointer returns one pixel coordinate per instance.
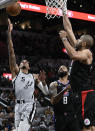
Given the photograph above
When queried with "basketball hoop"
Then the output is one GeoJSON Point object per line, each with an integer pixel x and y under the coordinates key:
{"type": "Point", "coordinates": [54, 8]}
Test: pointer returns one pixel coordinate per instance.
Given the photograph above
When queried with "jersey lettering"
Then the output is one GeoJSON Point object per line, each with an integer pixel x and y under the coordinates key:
{"type": "Point", "coordinates": [22, 79]}
{"type": "Point", "coordinates": [28, 84]}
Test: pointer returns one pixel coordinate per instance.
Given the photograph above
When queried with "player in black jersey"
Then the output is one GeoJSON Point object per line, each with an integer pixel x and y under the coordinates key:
{"type": "Point", "coordinates": [65, 117]}
{"type": "Point", "coordinates": [80, 73]}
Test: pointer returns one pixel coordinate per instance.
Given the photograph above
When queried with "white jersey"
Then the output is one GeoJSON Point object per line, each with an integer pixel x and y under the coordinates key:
{"type": "Point", "coordinates": [24, 86]}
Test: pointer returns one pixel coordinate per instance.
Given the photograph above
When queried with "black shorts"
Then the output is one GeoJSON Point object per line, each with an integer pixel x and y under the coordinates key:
{"type": "Point", "coordinates": [66, 122]}
{"type": "Point", "coordinates": [85, 108]}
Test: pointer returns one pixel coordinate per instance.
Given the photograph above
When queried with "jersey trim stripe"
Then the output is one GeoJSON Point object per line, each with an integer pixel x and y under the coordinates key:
{"type": "Point", "coordinates": [32, 113]}
{"type": "Point", "coordinates": [14, 79]}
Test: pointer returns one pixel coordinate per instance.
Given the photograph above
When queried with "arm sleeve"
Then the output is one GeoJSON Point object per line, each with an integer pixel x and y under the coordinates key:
{"type": "Point", "coordinates": [44, 89]}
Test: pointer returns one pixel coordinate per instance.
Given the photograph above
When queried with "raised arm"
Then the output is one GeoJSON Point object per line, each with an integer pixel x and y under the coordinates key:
{"type": "Point", "coordinates": [12, 59]}
{"type": "Point", "coordinates": [41, 83]}
{"type": "Point", "coordinates": [82, 56]}
{"type": "Point", "coordinates": [68, 28]}
{"type": "Point", "coordinates": [67, 25]}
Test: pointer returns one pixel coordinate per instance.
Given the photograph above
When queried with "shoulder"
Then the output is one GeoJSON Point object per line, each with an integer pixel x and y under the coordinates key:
{"type": "Point", "coordinates": [53, 88]}
{"type": "Point", "coordinates": [87, 51]}
{"type": "Point", "coordinates": [86, 56]}
{"type": "Point", "coordinates": [53, 84]}
{"type": "Point", "coordinates": [14, 71]}
{"type": "Point", "coordinates": [30, 75]}
{"type": "Point", "coordinates": [15, 76]}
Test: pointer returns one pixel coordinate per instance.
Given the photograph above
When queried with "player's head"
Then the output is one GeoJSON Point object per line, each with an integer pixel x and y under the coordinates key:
{"type": "Point", "coordinates": [24, 64]}
{"type": "Point", "coordinates": [85, 41]}
{"type": "Point", "coordinates": [62, 71]}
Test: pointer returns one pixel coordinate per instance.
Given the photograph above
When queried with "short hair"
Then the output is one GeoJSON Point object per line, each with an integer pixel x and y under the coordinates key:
{"type": "Point", "coordinates": [23, 60]}
{"type": "Point", "coordinates": [89, 40]}
{"type": "Point", "coordinates": [62, 67]}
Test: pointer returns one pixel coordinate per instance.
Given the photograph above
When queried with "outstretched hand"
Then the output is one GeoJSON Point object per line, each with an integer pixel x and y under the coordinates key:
{"type": "Point", "coordinates": [10, 26]}
{"type": "Point", "coordinates": [63, 34]}
{"type": "Point", "coordinates": [42, 76]}
{"type": "Point", "coordinates": [36, 76]}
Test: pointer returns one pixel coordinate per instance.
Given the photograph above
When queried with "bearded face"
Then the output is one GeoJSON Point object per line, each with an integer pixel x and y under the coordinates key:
{"type": "Point", "coordinates": [62, 72]}
{"type": "Point", "coordinates": [79, 44]}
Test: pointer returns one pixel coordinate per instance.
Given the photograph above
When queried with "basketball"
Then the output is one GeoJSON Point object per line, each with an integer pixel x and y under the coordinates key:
{"type": "Point", "coordinates": [14, 9]}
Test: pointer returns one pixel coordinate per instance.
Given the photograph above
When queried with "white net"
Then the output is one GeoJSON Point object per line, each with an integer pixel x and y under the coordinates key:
{"type": "Point", "coordinates": [54, 8]}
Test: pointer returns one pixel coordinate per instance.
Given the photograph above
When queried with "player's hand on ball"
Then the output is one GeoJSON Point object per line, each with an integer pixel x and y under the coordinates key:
{"type": "Point", "coordinates": [10, 26]}
{"type": "Point", "coordinates": [63, 34]}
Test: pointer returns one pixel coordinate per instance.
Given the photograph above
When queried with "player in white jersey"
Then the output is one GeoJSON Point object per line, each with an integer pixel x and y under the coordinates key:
{"type": "Point", "coordinates": [24, 83]}
{"type": "Point", "coordinates": [5, 3]}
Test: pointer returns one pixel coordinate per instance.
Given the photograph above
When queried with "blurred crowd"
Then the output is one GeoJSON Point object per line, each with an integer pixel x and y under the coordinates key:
{"type": "Point", "coordinates": [7, 101]}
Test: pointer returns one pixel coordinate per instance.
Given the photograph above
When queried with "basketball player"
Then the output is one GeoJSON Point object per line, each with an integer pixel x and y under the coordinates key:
{"type": "Point", "coordinates": [80, 73]}
{"type": "Point", "coordinates": [65, 118]}
{"type": "Point", "coordinates": [24, 83]}
{"type": "Point", "coordinates": [6, 3]}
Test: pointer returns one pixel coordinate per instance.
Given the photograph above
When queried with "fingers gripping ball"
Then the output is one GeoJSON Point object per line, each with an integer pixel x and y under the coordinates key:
{"type": "Point", "coordinates": [14, 9]}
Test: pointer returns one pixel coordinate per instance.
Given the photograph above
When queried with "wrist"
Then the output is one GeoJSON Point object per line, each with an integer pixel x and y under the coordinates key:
{"type": "Point", "coordinates": [44, 82]}
{"type": "Point", "coordinates": [64, 11]}
{"type": "Point", "coordinates": [9, 32]}
{"type": "Point", "coordinates": [38, 81]}
{"type": "Point", "coordinates": [64, 39]}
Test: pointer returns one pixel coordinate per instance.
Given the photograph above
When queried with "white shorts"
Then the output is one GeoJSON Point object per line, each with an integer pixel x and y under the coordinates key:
{"type": "Point", "coordinates": [24, 111]}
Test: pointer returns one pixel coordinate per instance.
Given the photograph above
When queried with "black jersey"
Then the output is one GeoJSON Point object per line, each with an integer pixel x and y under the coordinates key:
{"type": "Point", "coordinates": [65, 104]}
{"type": "Point", "coordinates": [80, 77]}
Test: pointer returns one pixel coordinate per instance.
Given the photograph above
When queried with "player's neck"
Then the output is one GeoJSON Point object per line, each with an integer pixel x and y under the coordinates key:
{"type": "Point", "coordinates": [64, 79]}
{"type": "Point", "coordinates": [25, 71]}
